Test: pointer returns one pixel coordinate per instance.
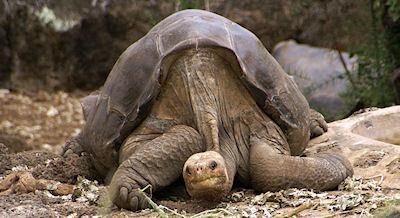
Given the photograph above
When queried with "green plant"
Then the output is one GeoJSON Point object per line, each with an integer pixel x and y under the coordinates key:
{"type": "Point", "coordinates": [371, 84]}
{"type": "Point", "coordinates": [189, 4]}
{"type": "Point", "coordinates": [394, 9]}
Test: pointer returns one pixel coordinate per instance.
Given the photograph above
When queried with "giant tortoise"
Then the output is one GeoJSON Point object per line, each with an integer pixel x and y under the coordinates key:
{"type": "Point", "coordinates": [200, 96]}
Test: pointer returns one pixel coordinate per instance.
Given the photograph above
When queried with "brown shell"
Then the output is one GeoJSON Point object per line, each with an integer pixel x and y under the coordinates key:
{"type": "Point", "coordinates": [137, 76]}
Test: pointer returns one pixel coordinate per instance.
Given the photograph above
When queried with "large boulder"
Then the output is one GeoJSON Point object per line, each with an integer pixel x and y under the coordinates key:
{"type": "Point", "coordinates": [371, 142]}
{"type": "Point", "coordinates": [320, 73]}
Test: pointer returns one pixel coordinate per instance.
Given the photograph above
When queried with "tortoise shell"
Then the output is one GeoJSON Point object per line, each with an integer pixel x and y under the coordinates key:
{"type": "Point", "coordinates": [138, 75]}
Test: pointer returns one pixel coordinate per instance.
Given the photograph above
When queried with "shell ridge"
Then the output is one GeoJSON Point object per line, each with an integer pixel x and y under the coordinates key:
{"type": "Point", "coordinates": [159, 45]}
{"type": "Point", "coordinates": [228, 32]}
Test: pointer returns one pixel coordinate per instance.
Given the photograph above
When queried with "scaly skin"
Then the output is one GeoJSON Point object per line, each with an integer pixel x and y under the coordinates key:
{"type": "Point", "coordinates": [157, 162]}
{"type": "Point", "coordinates": [204, 112]}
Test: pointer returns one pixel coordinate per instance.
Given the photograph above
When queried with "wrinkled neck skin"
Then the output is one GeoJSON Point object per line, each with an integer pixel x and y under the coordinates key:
{"type": "Point", "coordinates": [231, 162]}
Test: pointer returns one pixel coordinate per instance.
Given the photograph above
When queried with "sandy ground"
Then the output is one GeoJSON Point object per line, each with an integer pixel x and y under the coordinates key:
{"type": "Point", "coordinates": [37, 182]}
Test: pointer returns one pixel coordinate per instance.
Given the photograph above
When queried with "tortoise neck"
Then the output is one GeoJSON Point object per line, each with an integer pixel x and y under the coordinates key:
{"type": "Point", "coordinates": [231, 164]}
{"type": "Point", "coordinates": [200, 69]}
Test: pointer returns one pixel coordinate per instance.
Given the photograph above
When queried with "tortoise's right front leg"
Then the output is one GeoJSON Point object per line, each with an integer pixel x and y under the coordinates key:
{"type": "Point", "coordinates": [272, 168]}
{"type": "Point", "coordinates": [158, 162]}
{"type": "Point", "coordinates": [272, 171]}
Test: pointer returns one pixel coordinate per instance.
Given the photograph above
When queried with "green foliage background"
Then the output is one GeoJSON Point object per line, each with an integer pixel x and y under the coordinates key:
{"type": "Point", "coordinates": [372, 84]}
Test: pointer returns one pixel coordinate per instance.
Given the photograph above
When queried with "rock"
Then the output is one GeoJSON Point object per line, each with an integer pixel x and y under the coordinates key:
{"type": "Point", "coordinates": [371, 142]}
{"type": "Point", "coordinates": [24, 182]}
{"type": "Point", "coordinates": [320, 75]}
{"type": "Point", "coordinates": [55, 187]}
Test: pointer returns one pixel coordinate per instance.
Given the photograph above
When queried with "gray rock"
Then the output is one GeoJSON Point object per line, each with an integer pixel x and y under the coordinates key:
{"type": "Point", "coordinates": [320, 75]}
{"type": "Point", "coordinates": [370, 141]}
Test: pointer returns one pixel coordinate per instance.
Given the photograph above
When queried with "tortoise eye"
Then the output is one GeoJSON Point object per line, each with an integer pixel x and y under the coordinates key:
{"type": "Point", "coordinates": [213, 165]}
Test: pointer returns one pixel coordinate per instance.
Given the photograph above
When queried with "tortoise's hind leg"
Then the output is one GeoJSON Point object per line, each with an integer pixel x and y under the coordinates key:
{"type": "Point", "coordinates": [71, 146]}
{"type": "Point", "coordinates": [157, 162]}
{"type": "Point", "coordinates": [271, 171]}
{"type": "Point", "coordinates": [318, 124]}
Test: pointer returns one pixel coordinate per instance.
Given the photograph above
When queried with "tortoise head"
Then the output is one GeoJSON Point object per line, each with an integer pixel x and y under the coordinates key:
{"type": "Point", "coordinates": [206, 176]}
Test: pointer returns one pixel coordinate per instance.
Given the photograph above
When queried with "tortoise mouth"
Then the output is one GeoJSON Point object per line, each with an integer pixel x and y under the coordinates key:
{"type": "Point", "coordinates": [216, 175]}
{"type": "Point", "coordinates": [207, 181]}
{"type": "Point", "coordinates": [208, 189]}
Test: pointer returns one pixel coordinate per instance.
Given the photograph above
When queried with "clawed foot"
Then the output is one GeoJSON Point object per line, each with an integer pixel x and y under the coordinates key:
{"type": "Point", "coordinates": [125, 191]}
{"type": "Point", "coordinates": [71, 146]}
{"type": "Point", "coordinates": [340, 162]}
{"type": "Point", "coordinates": [318, 124]}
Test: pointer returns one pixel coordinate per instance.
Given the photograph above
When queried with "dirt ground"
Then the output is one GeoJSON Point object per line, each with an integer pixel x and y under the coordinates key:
{"type": "Point", "coordinates": [34, 126]}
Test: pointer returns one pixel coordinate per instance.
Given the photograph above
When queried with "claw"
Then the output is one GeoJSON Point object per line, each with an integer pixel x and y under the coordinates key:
{"type": "Point", "coordinates": [68, 152]}
{"type": "Point", "coordinates": [318, 131]}
{"type": "Point", "coordinates": [134, 203]}
{"type": "Point", "coordinates": [324, 125]}
{"type": "Point", "coordinates": [123, 194]}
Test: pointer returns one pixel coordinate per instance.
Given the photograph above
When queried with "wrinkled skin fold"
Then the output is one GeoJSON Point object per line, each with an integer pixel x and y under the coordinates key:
{"type": "Point", "coordinates": [199, 85]}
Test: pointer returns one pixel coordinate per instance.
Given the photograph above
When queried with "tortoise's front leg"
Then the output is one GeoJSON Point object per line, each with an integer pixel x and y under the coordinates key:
{"type": "Point", "coordinates": [158, 163]}
{"type": "Point", "coordinates": [272, 171]}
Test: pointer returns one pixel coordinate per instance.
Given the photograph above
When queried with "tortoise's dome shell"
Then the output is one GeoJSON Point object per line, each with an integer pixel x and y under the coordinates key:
{"type": "Point", "coordinates": [137, 76]}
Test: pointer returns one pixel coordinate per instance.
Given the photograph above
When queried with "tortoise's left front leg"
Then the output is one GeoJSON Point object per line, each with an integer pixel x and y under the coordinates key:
{"type": "Point", "coordinates": [157, 162]}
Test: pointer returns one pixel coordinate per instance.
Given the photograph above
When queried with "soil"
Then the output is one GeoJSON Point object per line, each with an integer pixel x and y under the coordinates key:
{"type": "Point", "coordinates": [34, 126]}
{"type": "Point", "coordinates": [39, 121]}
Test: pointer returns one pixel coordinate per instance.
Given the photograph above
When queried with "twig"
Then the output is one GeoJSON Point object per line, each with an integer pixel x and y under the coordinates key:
{"type": "Point", "coordinates": [160, 211]}
{"type": "Point", "coordinates": [339, 213]}
{"type": "Point", "coordinates": [346, 70]}
{"type": "Point", "coordinates": [207, 212]}
{"type": "Point", "coordinates": [373, 178]}
{"type": "Point", "coordinates": [155, 207]}
{"type": "Point", "coordinates": [297, 210]}
{"type": "Point", "coordinates": [173, 211]}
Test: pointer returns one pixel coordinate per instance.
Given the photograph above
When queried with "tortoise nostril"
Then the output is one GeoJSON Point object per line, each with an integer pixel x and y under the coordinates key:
{"type": "Point", "coordinates": [188, 171]}
{"type": "Point", "coordinates": [213, 165]}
